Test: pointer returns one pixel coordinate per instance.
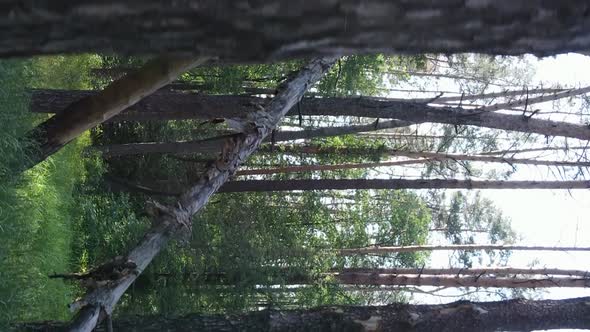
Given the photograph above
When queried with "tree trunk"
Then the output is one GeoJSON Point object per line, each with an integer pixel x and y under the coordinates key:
{"type": "Point", "coordinates": [242, 31]}
{"type": "Point", "coordinates": [543, 149]}
{"type": "Point", "coordinates": [450, 76]}
{"type": "Point", "coordinates": [90, 111]}
{"type": "Point", "coordinates": [462, 316]}
{"type": "Point", "coordinates": [377, 279]}
{"type": "Point", "coordinates": [196, 106]}
{"type": "Point", "coordinates": [528, 101]}
{"type": "Point", "coordinates": [386, 250]}
{"type": "Point", "coordinates": [333, 184]}
{"type": "Point", "coordinates": [170, 105]}
{"type": "Point", "coordinates": [214, 144]}
{"type": "Point", "coordinates": [420, 158]}
{"type": "Point", "coordinates": [314, 168]}
{"type": "Point", "coordinates": [175, 188]}
{"type": "Point", "coordinates": [162, 105]}
{"type": "Point", "coordinates": [496, 271]}
{"type": "Point", "coordinates": [176, 219]}
{"type": "Point", "coordinates": [492, 95]}
{"type": "Point", "coordinates": [462, 230]}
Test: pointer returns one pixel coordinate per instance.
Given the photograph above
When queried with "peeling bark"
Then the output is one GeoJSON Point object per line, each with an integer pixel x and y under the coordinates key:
{"type": "Point", "coordinates": [246, 31]}
{"type": "Point", "coordinates": [86, 113]}
{"type": "Point", "coordinates": [462, 316]}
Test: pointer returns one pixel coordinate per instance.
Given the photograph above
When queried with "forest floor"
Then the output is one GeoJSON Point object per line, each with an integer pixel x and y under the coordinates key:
{"type": "Point", "coordinates": [36, 208]}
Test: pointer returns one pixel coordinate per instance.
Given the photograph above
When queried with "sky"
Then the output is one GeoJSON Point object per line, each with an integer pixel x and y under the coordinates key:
{"type": "Point", "coordinates": [552, 217]}
{"type": "Point", "coordinates": [545, 217]}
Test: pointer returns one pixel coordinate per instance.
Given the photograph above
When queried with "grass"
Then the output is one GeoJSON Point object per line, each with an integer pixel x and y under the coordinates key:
{"type": "Point", "coordinates": [36, 212]}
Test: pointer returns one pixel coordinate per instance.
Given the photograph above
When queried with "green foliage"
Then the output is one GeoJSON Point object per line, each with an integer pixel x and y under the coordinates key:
{"type": "Point", "coordinates": [487, 70]}
{"type": "Point", "coordinates": [234, 79]}
{"type": "Point", "coordinates": [246, 250]}
{"type": "Point", "coordinates": [35, 208]}
{"type": "Point", "coordinates": [469, 219]}
{"type": "Point", "coordinates": [105, 225]}
{"type": "Point", "coordinates": [385, 218]}
{"type": "Point", "coordinates": [365, 75]}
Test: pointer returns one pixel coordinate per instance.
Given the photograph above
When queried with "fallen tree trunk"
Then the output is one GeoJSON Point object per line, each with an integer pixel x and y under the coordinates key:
{"type": "Point", "coordinates": [462, 316]}
{"type": "Point", "coordinates": [176, 220]}
{"type": "Point", "coordinates": [86, 113]}
{"type": "Point", "coordinates": [242, 31]}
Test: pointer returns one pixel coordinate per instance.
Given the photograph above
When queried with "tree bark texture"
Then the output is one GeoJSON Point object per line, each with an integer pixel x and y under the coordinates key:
{"type": "Point", "coordinates": [337, 184]}
{"type": "Point", "coordinates": [246, 31]}
{"type": "Point", "coordinates": [87, 112]}
{"type": "Point", "coordinates": [175, 105]}
{"type": "Point", "coordinates": [462, 316]}
{"type": "Point", "coordinates": [176, 220]}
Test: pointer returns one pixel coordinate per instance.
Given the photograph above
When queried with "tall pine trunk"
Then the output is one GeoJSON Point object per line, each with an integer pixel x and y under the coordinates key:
{"type": "Point", "coordinates": [246, 31]}
{"type": "Point", "coordinates": [419, 158]}
{"type": "Point", "coordinates": [416, 248]}
{"type": "Point", "coordinates": [496, 271]}
{"type": "Point", "coordinates": [462, 316]}
{"type": "Point", "coordinates": [213, 145]}
{"type": "Point", "coordinates": [174, 188]}
{"type": "Point", "coordinates": [337, 184]}
{"type": "Point", "coordinates": [170, 105]}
